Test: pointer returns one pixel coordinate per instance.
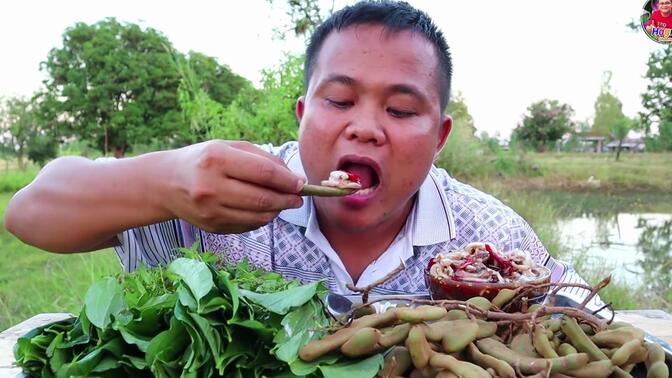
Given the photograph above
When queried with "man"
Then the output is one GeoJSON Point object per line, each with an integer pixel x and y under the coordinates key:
{"type": "Point", "coordinates": [661, 19]}
{"type": "Point", "coordinates": [377, 78]}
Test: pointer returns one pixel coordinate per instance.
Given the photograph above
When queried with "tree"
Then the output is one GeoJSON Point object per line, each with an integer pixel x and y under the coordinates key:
{"type": "Point", "coordinates": [25, 133]}
{"type": "Point", "coordinates": [304, 17]}
{"type": "Point", "coordinates": [608, 109]}
{"type": "Point", "coordinates": [112, 84]}
{"type": "Point", "coordinates": [546, 122]}
{"type": "Point", "coordinates": [17, 124]}
{"type": "Point", "coordinates": [619, 131]}
{"type": "Point", "coordinates": [463, 152]}
{"type": "Point", "coordinates": [657, 99]}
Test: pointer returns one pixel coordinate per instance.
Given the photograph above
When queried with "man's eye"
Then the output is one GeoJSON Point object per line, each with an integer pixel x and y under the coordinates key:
{"type": "Point", "coordinates": [339, 104]}
{"type": "Point", "coordinates": [396, 113]}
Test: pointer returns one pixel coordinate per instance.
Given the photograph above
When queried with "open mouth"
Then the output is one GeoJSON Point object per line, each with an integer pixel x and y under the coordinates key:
{"type": "Point", "coordinates": [366, 169]}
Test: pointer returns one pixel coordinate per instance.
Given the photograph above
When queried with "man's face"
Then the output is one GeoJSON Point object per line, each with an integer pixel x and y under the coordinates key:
{"type": "Point", "coordinates": [372, 108]}
{"type": "Point", "coordinates": [665, 6]}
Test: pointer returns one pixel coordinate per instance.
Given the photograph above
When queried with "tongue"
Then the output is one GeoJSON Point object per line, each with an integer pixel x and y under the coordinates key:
{"type": "Point", "coordinates": [367, 176]}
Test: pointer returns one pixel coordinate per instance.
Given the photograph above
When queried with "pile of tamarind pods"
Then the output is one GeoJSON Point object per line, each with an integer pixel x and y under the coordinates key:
{"type": "Point", "coordinates": [431, 341]}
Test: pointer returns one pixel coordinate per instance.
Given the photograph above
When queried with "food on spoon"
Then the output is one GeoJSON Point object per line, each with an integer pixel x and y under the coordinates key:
{"type": "Point", "coordinates": [340, 183]}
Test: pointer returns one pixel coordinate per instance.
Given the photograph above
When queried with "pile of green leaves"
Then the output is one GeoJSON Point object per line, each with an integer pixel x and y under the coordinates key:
{"type": "Point", "coordinates": [189, 320]}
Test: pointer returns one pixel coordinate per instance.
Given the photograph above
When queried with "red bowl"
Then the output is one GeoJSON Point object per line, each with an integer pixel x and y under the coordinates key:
{"type": "Point", "coordinates": [443, 288]}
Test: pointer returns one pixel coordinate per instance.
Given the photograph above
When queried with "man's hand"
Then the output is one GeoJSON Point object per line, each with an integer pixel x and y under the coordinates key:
{"type": "Point", "coordinates": [77, 205]}
{"type": "Point", "coordinates": [230, 187]}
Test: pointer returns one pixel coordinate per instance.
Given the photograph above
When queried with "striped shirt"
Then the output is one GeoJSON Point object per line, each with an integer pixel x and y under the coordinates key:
{"type": "Point", "coordinates": [447, 215]}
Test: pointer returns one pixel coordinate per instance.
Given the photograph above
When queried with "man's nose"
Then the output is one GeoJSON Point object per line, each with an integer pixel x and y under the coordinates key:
{"type": "Point", "coordinates": [366, 127]}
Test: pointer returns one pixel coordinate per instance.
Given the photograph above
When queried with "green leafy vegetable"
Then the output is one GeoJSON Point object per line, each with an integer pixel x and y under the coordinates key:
{"type": "Point", "coordinates": [190, 319]}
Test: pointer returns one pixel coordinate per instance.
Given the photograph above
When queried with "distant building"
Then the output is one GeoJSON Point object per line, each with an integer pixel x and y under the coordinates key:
{"type": "Point", "coordinates": [629, 144]}
{"type": "Point", "coordinates": [591, 143]}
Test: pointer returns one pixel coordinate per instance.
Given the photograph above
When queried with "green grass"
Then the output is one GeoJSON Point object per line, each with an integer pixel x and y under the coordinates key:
{"type": "Point", "coordinates": [12, 179]}
{"type": "Point", "coordinates": [33, 281]}
{"type": "Point", "coordinates": [634, 172]}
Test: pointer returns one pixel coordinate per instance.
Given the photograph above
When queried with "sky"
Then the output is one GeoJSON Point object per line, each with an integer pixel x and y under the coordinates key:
{"type": "Point", "coordinates": [506, 54]}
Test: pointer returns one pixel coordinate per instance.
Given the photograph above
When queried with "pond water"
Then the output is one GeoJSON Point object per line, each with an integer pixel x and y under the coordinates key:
{"type": "Point", "coordinates": [628, 235]}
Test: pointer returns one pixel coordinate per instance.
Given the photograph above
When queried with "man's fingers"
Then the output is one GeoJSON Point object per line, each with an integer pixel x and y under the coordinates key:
{"type": "Point", "coordinates": [245, 196]}
{"type": "Point", "coordinates": [259, 170]}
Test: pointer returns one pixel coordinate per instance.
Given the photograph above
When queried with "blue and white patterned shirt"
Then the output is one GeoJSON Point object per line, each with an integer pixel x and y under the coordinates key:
{"type": "Point", "coordinates": [447, 215]}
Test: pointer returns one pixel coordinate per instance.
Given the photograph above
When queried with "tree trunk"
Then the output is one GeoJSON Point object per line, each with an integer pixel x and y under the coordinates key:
{"type": "Point", "coordinates": [105, 142]}
{"type": "Point", "coordinates": [20, 160]}
{"type": "Point", "coordinates": [618, 149]}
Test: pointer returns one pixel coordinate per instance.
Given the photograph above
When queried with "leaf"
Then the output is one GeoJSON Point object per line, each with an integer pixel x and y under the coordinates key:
{"type": "Point", "coordinates": [281, 302]}
{"type": "Point", "coordinates": [361, 369]}
{"type": "Point", "coordinates": [302, 368]}
{"type": "Point", "coordinates": [195, 274]}
{"type": "Point", "coordinates": [103, 299]}
{"type": "Point", "coordinates": [168, 344]}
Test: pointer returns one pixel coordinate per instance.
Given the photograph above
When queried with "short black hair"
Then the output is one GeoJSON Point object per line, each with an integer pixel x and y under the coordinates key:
{"type": "Point", "coordinates": [393, 15]}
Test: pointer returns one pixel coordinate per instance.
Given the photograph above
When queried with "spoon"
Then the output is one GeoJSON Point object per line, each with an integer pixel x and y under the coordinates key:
{"type": "Point", "coordinates": [338, 304]}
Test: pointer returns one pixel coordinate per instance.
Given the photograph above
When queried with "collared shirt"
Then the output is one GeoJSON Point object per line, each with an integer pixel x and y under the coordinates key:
{"type": "Point", "coordinates": [447, 215]}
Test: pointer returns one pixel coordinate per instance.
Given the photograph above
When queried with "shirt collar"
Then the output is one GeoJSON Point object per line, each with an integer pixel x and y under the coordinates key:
{"type": "Point", "coordinates": [432, 221]}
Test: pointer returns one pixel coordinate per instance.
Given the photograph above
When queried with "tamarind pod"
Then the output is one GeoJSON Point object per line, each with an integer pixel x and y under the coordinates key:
{"type": "Point", "coordinates": [522, 344]}
{"type": "Point", "coordinates": [655, 361]}
{"type": "Point", "coordinates": [426, 372]}
{"type": "Point", "coordinates": [639, 356]}
{"type": "Point", "coordinates": [435, 331]}
{"type": "Point", "coordinates": [609, 351]}
{"type": "Point", "coordinates": [580, 340]}
{"type": "Point", "coordinates": [418, 347]}
{"type": "Point", "coordinates": [421, 314]}
{"type": "Point", "coordinates": [491, 371]}
{"type": "Point", "coordinates": [555, 341]}
{"type": "Point", "coordinates": [533, 307]}
{"type": "Point", "coordinates": [397, 361]}
{"type": "Point", "coordinates": [481, 303]}
{"type": "Point", "coordinates": [459, 336]}
{"type": "Point", "coordinates": [623, 353]}
{"type": "Point", "coordinates": [485, 328]}
{"type": "Point", "coordinates": [530, 365]}
{"type": "Point", "coordinates": [596, 369]}
{"type": "Point", "coordinates": [628, 368]}
{"type": "Point", "coordinates": [503, 297]}
{"type": "Point", "coordinates": [658, 370]}
{"type": "Point", "coordinates": [446, 374]}
{"type": "Point", "coordinates": [541, 343]}
{"type": "Point", "coordinates": [617, 325]}
{"type": "Point", "coordinates": [395, 335]}
{"type": "Point", "coordinates": [552, 325]}
{"type": "Point", "coordinates": [362, 311]}
{"type": "Point", "coordinates": [456, 314]}
{"type": "Point", "coordinates": [587, 329]}
{"type": "Point", "coordinates": [317, 348]}
{"type": "Point", "coordinates": [502, 369]}
{"type": "Point", "coordinates": [620, 373]}
{"type": "Point", "coordinates": [460, 368]}
{"type": "Point", "coordinates": [566, 349]}
{"type": "Point", "coordinates": [363, 342]}
{"type": "Point", "coordinates": [616, 337]}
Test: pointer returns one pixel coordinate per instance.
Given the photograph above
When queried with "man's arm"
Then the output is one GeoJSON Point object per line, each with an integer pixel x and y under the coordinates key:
{"type": "Point", "coordinates": [76, 204]}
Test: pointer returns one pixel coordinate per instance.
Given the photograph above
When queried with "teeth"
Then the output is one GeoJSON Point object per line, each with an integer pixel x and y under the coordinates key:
{"type": "Point", "coordinates": [363, 192]}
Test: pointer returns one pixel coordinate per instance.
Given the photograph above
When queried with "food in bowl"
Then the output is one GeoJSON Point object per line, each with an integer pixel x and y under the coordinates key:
{"type": "Point", "coordinates": [481, 270]}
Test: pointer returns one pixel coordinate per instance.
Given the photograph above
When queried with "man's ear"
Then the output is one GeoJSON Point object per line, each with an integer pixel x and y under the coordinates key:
{"type": "Point", "coordinates": [446, 126]}
{"type": "Point", "coordinates": [298, 109]}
